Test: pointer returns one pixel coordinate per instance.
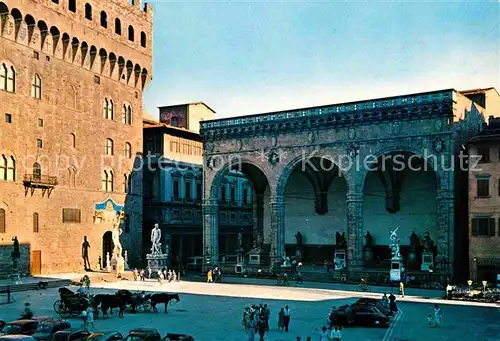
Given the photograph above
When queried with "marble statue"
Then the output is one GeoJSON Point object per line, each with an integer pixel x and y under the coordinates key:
{"type": "Point", "coordinates": [115, 235]}
{"type": "Point", "coordinates": [369, 240]}
{"type": "Point", "coordinates": [108, 261]}
{"type": "Point", "coordinates": [298, 238]}
{"type": "Point", "coordinates": [85, 253]}
{"type": "Point", "coordinates": [428, 243]}
{"type": "Point", "coordinates": [395, 243]}
{"type": "Point", "coordinates": [16, 254]}
{"type": "Point", "coordinates": [155, 240]}
{"type": "Point", "coordinates": [240, 240]}
{"type": "Point", "coordinates": [414, 241]}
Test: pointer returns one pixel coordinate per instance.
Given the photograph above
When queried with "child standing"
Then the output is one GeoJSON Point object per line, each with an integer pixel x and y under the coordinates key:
{"type": "Point", "coordinates": [84, 318]}
{"type": "Point", "coordinates": [90, 317]}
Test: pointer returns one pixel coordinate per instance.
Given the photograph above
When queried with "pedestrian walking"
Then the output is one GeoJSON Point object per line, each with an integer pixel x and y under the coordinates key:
{"type": "Point", "coordinates": [266, 314]}
{"type": "Point", "coordinates": [336, 335]}
{"type": "Point", "coordinates": [142, 275]}
{"type": "Point", "coordinates": [135, 274]}
{"type": "Point", "coordinates": [84, 319]}
{"type": "Point", "coordinates": [323, 336]}
{"type": "Point", "coordinates": [90, 317]}
{"type": "Point", "coordinates": [429, 319]}
{"type": "Point", "coordinates": [402, 289]}
{"type": "Point", "coordinates": [385, 301]}
{"type": "Point", "coordinates": [209, 277]}
{"type": "Point", "coordinates": [250, 327]}
{"type": "Point", "coordinates": [281, 320]}
{"type": "Point", "coordinates": [286, 318]}
{"type": "Point", "coordinates": [261, 328]}
{"type": "Point", "coordinates": [438, 316]}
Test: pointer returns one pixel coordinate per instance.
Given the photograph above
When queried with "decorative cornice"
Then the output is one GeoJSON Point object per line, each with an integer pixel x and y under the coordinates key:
{"type": "Point", "coordinates": [402, 108]}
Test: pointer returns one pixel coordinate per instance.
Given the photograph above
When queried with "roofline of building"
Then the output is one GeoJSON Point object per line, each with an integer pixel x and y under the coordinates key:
{"type": "Point", "coordinates": [476, 91]}
{"type": "Point", "coordinates": [190, 103]}
{"type": "Point", "coordinates": [328, 105]}
{"type": "Point", "coordinates": [484, 138]}
{"type": "Point", "coordinates": [175, 130]}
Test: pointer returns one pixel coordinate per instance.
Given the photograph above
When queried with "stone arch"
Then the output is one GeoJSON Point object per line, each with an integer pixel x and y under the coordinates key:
{"type": "Point", "coordinates": [144, 76]}
{"type": "Point", "coordinates": [65, 41]}
{"type": "Point", "coordinates": [44, 31]}
{"type": "Point", "coordinates": [84, 48]}
{"type": "Point", "coordinates": [18, 18]}
{"type": "Point", "coordinates": [401, 189]}
{"type": "Point", "coordinates": [121, 67]}
{"type": "Point", "coordinates": [130, 69]}
{"type": "Point", "coordinates": [55, 33]}
{"type": "Point", "coordinates": [93, 55]}
{"type": "Point", "coordinates": [31, 23]}
{"type": "Point", "coordinates": [112, 63]}
{"type": "Point", "coordinates": [104, 57]}
{"type": "Point", "coordinates": [118, 26]}
{"type": "Point", "coordinates": [137, 74]}
{"type": "Point", "coordinates": [75, 44]}
{"type": "Point", "coordinates": [360, 180]}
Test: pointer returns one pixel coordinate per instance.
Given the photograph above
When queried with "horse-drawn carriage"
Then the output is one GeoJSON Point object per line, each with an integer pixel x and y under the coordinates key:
{"type": "Point", "coordinates": [70, 303]}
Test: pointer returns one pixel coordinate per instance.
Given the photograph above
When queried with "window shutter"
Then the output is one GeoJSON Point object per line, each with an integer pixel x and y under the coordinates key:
{"type": "Point", "coordinates": [474, 227]}
{"type": "Point", "coordinates": [2, 220]}
{"type": "Point", "coordinates": [491, 227]}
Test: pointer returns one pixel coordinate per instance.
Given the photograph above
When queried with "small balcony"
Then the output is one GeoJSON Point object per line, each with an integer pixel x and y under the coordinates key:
{"type": "Point", "coordinates": [44, 182]}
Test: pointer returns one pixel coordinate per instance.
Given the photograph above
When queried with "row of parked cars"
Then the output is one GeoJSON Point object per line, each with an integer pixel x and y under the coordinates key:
{"type": "Point", "coordinates": [49, 329]}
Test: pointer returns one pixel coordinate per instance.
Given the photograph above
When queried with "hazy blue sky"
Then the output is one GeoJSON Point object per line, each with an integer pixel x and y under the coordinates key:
{"type": "Point", "coordinates": [251, 57]}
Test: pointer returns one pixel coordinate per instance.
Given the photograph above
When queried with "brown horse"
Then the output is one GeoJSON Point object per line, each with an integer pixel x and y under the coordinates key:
{"type": "Point", "coordinates": [163, 298]}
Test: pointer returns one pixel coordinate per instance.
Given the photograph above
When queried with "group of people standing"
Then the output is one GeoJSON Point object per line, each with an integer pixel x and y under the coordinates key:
{"type": "Point", "coordinates": [256, 320]}
{"type": "Point", "coordinates": [163, 274]}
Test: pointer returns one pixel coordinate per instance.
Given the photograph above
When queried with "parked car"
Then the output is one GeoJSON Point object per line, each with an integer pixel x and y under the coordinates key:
{"type": "Point", "coordinates": [144, 334]}
{"type": "Point", "coordinates": [47, 328]}
{"type": "Point", "coordinates": [16, 337]}
{"type": "Point", "coordinates": [360, 315]}
{"type": "Point", "coordinates": [20, 327]}
{"type": "Point", "coordinates": [377, 304]}
{"type": "Point", "coordinates": [105, 336]}
{"type": "Point", "coordinates": [72, 334]}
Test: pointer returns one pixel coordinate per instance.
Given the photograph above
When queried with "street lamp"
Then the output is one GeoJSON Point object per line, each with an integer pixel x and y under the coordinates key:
{"type": "Point", "coordinates": [469, 282]}
{"type": "Point", "coordinates": [484, 286]}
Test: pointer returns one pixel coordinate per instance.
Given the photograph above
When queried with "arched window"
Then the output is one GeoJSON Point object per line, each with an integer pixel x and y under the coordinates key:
{"type": "Point", "coordinates": [11, 169]}
{"type": "Point", "coordinates": [73, 140]}
{"type": "Point", "coordinates": [109, 147]}
{"type": "Point", "coordinates": [143, 39]}
{"type": "Point", "coordinates": [127, 114]}
{"type": "Point", "coordinates": [125, 183]}
{"type": "Point", "coordinates": [36, 87]}
{"type": "Point", "coordinates": [130, 33]}
{"type": "Point", "coordinates": [3, 77]}
{"type": "Point", "coordinates": [3, 167]}
{"type": "Point", "coordinates": [3, 223]}
{"type": "Point", "coordinates": [35, 222]}
{"type": "Point", "coordinates": [104, 19]}
{"type": "Point", "coordinates": [37, 171]}
{"type": "Point", "coordinates": [55, 1]}
{"type": "Point", "coordinates": [7, 78]}
{"type": "Point", "coordinates": [108, 109]}
{"type": "Point", "coordinates": [128, 150]}
{"type": "Point", "coordinates": [72, 5]}
{"type": "Point", "coordinates": [107, 181]}
{"type": "Point", "coordinates": [118, 26]}
{"type": "Point", "coordinates": [88, 11]}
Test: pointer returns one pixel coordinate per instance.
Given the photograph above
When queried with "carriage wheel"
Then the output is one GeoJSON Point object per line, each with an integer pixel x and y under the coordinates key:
{"type": "Point", "coordinates": [58, 306]}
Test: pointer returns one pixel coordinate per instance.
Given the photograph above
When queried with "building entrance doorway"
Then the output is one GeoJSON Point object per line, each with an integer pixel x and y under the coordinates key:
{"type": "Point", "coordinates": [36, 262]}
{"type": "Point", "coordinates": [107, 247]}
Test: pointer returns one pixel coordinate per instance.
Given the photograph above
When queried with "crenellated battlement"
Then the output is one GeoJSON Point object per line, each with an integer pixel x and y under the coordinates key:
{"type": "Point", "coordinates": [118, 44]}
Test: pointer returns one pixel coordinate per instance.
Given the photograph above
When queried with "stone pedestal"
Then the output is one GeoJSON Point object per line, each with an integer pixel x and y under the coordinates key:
{"type": "Point", "coordinates": [157, 261]}
{"type": "Point", "coordinates": [396, 269]}
{"type": "Point", "coordinates": [117, 265]}
{"type": "Point", "coordinates": [427, 261]}
{"type": "Point", "coordinates": [298, 253]}
{"type": "Point", "coordinates": [340, 259]}
{"type": "Point", "coordinates": [257, 256]}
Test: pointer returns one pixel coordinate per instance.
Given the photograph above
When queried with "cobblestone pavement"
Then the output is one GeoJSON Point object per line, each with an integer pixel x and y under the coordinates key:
{"type": "Point", "coordinates": [212, 312]}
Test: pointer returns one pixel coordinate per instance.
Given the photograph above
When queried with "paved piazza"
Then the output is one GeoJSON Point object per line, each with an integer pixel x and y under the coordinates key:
{"type": "Point", "coordinates": [213, 312]}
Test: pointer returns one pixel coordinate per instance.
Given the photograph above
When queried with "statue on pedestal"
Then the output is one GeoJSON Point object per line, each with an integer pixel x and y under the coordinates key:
{"type": "Point", "coordinates": [369, 240]}
{"type": "Point", "coordinates": [155, 240]}
{"type": "Point", "coordinates": [16, 254]}
{"type": "Point", "coordinates": [115, 235]}
{"type": "Point", "coordinates": [298, 238]}
{"type": "Point", "coordinates": [414, 241]}
{"type": "Point", "coordinates": [108, 262]}
{"type": "Point", "coordinates": [340, 240]}
{"type": "Point", "coordinates": [428, 243]}
{"type": "Point", "coordinates": [85, 253]}
{"type": "Point", "coordinates": [395, 243]}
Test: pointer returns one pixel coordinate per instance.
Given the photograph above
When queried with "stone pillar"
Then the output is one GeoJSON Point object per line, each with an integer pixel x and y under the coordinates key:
{"type": "Point", "coordinates": [210, 210]}
{"type": "Point", "coordinates": [445, 215]}
{"type": "Point", "coordinates": [277, 204]}
{"type": "Point", "coordinates": [258, 220]}
{"type": "Point", "coordinates": [354, 230]}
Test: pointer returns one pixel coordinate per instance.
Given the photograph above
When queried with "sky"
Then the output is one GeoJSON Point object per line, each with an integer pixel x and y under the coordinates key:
{"type": "Point", "coordinates": [249, 57]}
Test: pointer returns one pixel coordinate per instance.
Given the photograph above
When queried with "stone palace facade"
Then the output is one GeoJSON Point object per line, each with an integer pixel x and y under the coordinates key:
{"type": "Point", "coordinates": [308, 172]}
